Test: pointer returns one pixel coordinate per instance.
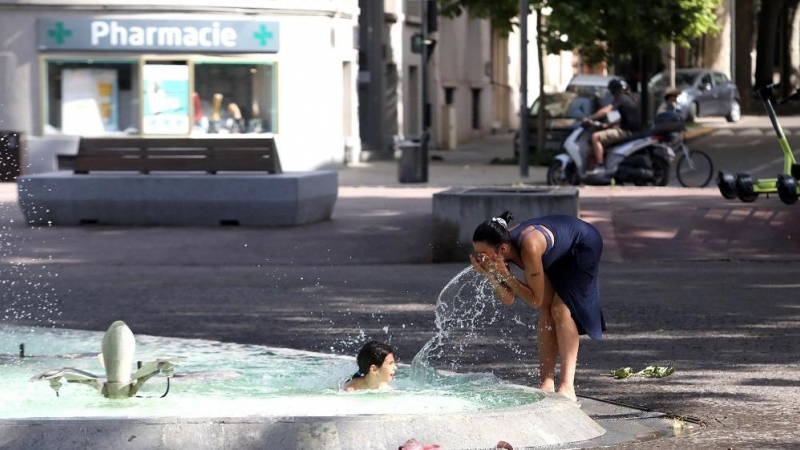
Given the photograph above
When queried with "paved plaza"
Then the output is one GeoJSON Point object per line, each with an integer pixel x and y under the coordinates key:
{"type": "Point", "coordinates": [688, 279]}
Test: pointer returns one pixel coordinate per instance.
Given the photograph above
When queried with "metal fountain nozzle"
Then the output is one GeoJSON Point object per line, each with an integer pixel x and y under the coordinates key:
{"type": "Point", "coordinates": [117, 358]}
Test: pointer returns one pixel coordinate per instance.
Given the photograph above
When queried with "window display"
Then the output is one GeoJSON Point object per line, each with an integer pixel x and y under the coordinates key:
{"type": "Point", "coordinates": [89, 103]}
{"type": "Point", "coordinates": [182, 96]}
{"type": "Point", "coordinates": [91, 99]}
{"type": "Point", "coordinates": [166, 99]}
{"type": "Point", "coordinates": [233, 98]}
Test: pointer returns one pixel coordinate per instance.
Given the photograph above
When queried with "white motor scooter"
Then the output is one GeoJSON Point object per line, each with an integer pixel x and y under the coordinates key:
{"type": "Point", "coordinates": [641, 159]}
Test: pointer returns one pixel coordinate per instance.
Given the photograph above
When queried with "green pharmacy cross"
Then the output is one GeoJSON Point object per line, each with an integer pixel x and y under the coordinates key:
{"type": "Point", "coordinates": [59, 33]}
{"type": "Point", "coordinates": [263, 35]}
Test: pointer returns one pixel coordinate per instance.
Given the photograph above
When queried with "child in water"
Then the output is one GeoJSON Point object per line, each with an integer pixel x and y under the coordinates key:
{"type": "Point", "coordinates": [376, 367]}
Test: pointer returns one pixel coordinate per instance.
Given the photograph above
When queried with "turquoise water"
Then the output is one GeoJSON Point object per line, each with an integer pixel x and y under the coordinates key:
{"type": "Point", "coordinates": [227, 380]}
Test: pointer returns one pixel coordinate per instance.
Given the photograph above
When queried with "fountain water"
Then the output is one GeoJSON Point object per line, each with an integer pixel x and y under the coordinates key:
{"type": "Point", "coordinates": [247, 396]}
{"type": "Point", "coordinates": [27, 294]}
{"type": "Point", "coordinates": [465, 309]}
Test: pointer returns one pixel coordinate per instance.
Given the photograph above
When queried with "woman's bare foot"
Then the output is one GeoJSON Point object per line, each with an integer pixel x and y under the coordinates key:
{"type": "Point", "coordinates": [548, 386]}
{"type": "Point", "coordinates": [569, 393]}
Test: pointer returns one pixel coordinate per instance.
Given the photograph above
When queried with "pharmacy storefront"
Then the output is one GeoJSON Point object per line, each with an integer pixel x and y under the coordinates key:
{"type": "Point", "coordinates": [288, 75]}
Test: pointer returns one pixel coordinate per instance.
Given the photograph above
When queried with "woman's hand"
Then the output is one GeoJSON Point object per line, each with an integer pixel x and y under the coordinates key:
{"type": "Point", "coordinates": [496, 267]}
{"type": "Point", "coordinates": [492, 267]}
{"type": "Point", "coordinates": [478, 263]}
{"type": "Point", "coordinates": [497, 272]}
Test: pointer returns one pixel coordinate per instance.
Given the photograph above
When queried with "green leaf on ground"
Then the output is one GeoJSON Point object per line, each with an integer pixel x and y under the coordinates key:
{"type": "Point", "coordinates": [622, 372]}
{"type": "Point", "coordinates": [647, 372]}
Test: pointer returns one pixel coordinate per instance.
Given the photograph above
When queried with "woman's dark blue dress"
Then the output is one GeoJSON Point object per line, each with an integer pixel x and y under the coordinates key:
{"type": "Point", "coordinates": [572, 263]}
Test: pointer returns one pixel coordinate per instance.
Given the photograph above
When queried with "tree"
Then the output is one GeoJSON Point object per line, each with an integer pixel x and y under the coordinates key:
{"type": "Point", "coordinates": [774, 22]}
{"type": "Point", "coordinates": [628, 33]}
{"type": "Point", "coordinates": [604, 29]}
{"type": "Point", "coordinates": [745, 26]}
{"type": "Point", "coordinates": [789, 33]}
{"type": "Point", "coordinates": [765, 45]}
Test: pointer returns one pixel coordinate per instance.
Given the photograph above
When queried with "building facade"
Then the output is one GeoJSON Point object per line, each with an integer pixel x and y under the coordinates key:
{"type": "Point", "coordinates": [334, 81]}
{"type": "Point", "coordinates": [473, 77]}
{"type": "Point", "coordinates": [185, 68]}
{"type": "Point", "coordinates": [392, 77]}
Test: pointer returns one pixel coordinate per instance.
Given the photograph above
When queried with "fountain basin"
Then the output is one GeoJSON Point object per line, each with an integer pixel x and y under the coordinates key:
{"type": "Point", "coordinates": [544, 423]}
{"type": "Point", "coordinates": [254, 397]}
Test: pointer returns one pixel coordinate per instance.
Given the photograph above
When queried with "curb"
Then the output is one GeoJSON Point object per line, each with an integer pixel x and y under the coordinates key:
{"type": "Point", "coordinates": [696, 133]}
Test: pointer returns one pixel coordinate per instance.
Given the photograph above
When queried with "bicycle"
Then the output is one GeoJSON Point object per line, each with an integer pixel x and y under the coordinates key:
{"type": "Point", "coordinates": [694, 167]}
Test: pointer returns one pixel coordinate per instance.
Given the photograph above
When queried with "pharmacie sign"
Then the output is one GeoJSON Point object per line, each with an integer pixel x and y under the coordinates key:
{"type": "Point", "coordinates": [239, 36]}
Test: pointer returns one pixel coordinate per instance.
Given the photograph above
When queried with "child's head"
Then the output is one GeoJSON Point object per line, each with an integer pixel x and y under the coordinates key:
{"type": "Point", "coordinates": [376, 367]}
{"type": "Point", "coordinates": [373, 353]}
{"type": "Point", "coordinates": [671, 95]}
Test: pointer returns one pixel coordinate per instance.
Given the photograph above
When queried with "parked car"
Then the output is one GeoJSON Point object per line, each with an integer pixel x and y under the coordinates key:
{"type": "Point", "coordinates": [563, 112]}
{"type": "Point", "coordinates": [593, 84]}
{"type": "Point", "coordinates": [704, 93]}
{"type": "Point", "coordinates": [583, 95]}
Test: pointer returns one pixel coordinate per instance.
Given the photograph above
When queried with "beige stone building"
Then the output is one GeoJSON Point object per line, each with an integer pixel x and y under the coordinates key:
{"type": "Point", "coordinates": [474, 78]}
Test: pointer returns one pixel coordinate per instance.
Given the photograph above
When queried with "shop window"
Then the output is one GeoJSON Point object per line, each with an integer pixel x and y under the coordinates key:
{"type": "Point", "coordinates": [165, 98]}
{"type": "Point", "coordinates": [234, 98]}
{"type": "Point", "coordinates": [111, 98]}
{"type": "Point", "coordinates": [91, 98]}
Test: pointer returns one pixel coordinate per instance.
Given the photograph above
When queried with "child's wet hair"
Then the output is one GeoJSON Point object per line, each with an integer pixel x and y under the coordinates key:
{"type": "Point", "coordinates": [373, 352]}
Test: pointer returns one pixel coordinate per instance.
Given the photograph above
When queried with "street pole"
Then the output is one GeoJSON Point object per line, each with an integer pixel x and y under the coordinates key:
{"type": "Point", "coordinates": [672, 64]}
{"type": "Point", "coordinates": [644, 66]}
{"type": "Point", "coordinates": [540, 54]}
{"type": "Point", "coordinates": [732, 21]}
{"type": "Point", "coordinates": [524, 147]}
{"type": "Point", "coordinates": [426, 110]}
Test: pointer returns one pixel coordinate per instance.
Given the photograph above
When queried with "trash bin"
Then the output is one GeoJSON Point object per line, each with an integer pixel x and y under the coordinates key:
{"type": "Point", "coordinates": [10, 145]}
{"type": "Point", "coordinates": [410, 167]}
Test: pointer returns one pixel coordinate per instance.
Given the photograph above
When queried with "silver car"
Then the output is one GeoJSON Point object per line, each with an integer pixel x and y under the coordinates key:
{"type": "Point", "coordinates": [563, 112]}
{"type": "Point", "coordinates": [704, 93]}
{"type": "Point", "coordinates": [584, 94]}
{"type": "Point", "coordinates": [589, 84]}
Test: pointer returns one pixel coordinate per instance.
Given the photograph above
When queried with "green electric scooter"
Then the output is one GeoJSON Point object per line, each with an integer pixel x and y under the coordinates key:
{"type": "Point", "coordinates": [745, 187]}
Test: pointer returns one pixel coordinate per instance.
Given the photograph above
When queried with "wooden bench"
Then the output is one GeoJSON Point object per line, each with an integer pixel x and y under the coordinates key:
{"type": "Point", "coordinates": [145, 155]}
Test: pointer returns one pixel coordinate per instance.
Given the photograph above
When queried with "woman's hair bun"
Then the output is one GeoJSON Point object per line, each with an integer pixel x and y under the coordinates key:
{"type": "Point", "coordinates": [507, 216]}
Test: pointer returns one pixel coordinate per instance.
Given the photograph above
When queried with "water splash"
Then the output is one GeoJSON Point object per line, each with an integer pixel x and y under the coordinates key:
{"type": "Point", "coordinates": [475, 331]}
{"type": "Point", "coordinates": [27, 295]}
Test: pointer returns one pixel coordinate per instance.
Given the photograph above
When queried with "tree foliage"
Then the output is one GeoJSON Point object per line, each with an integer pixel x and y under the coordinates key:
{"type": "Point", "coordinates": [601, 29]}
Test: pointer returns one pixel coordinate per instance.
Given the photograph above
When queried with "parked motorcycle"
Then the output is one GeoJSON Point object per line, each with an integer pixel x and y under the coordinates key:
{"type": "Point", "coordinates": [642, 159]}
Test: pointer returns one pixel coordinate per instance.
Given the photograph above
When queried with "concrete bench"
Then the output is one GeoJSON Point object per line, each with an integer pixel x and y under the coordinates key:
{"type": "Point", "coordinates": [180, 181]}
{"type": "Point", "coordinates": [458, 211]}
{"type": "Point", "coordinates": [43, 153]}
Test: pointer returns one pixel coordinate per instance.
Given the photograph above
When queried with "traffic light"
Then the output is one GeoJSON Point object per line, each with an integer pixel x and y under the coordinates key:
{"type": "Point", "coordinates": [417, 43]}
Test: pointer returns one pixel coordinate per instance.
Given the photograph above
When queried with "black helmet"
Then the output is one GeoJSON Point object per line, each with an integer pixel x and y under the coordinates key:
{"type": "Point", "coordinates": [616, 86]}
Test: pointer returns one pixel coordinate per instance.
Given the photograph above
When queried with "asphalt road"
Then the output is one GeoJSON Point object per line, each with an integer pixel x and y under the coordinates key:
{"type": "Point", "coordinates": [755, 152]}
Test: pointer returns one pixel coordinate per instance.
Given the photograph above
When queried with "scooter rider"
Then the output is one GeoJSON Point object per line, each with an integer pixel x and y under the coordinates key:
{"type": "Point", "coordinates": [617, 130]}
